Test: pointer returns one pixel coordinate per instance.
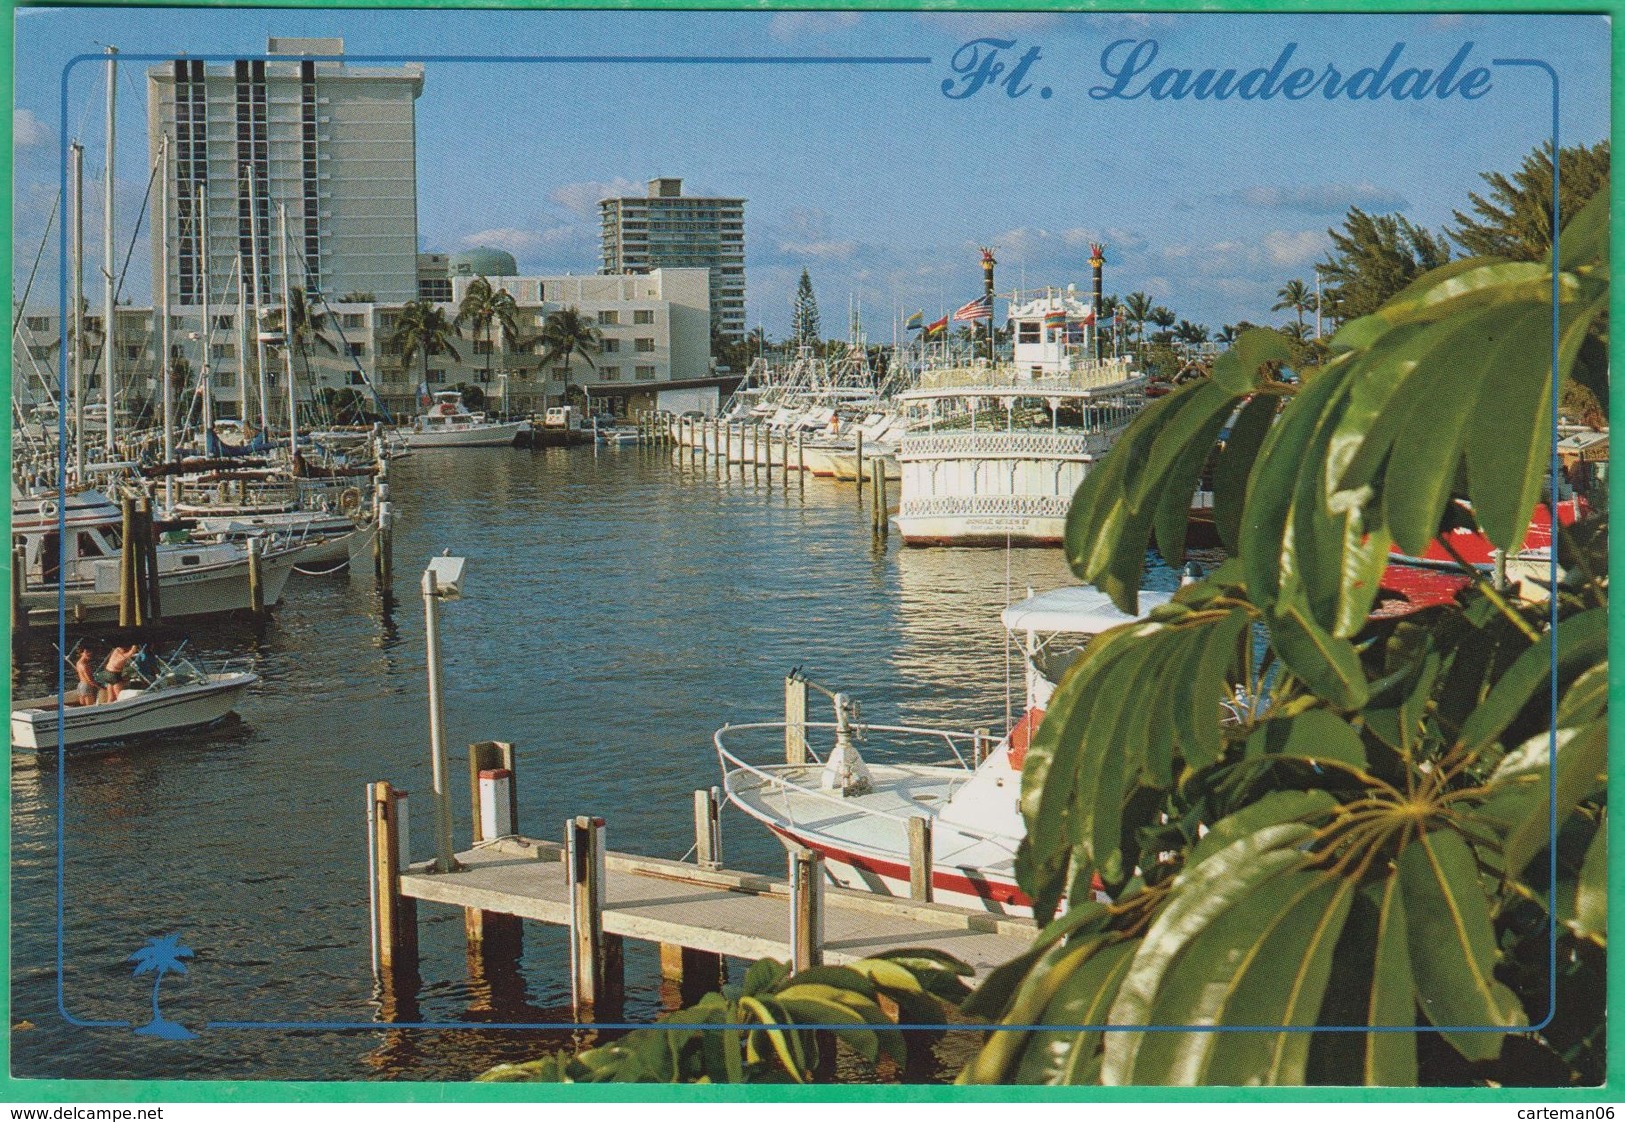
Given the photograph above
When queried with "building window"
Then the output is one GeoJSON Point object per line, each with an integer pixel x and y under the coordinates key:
{"type": "Point", "coordinates": [611, 346]}
{"type": "Point", "coordinates": [609, 318]}
{"type": "Point", "coordinates": [40, 351]}
{"type": "Point", "coordinates": [39, 323]}
{"type": "Point", "coordinates": [223, 381]}
{"type": "Point", "coordinates": [645, 373]}
{"type": "Point", "coordinates": [222, 323]}
{"type": "Point", "coordinates": [355, 350]}
{"type": "Point", "coordinates": [436, 290]}
{"type": "Point", "coordinates": [609, 374]}
{"type": "Point", "coordinates": [437, 377]}
{"type": "Point", "coordinates": [352, 319]}
{"type": "Point", "coordinates": [223, 350]}
{"type": "Point", "coordinates": [133, 350]}
{"type": "Point", "coordinates": [645, 346]}
{"type": "Point", "coordinates": [1027, 332]}
{"type": "Point", "coordinates": [482, 346]}
{"type": "Point", "coordinates": [643, 315]}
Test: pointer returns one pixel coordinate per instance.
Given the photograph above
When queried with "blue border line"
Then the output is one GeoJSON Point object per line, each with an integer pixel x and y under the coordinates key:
{"type": "Point", "coordinates": [375, 1026]}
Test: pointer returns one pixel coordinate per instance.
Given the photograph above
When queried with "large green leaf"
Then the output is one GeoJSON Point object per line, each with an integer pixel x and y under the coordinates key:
{"type": "Point", "coordinates": [1064, 1056]}
{"type": "Point", "coordinates": [1327, 664]}
{"type": "Point", "coordinates": [1390, 1057]}
{"type": "Point", "coordinates": [1582, 770]}
{"type": "Point", "coordinates": [1239, 370]}
{"type": "Point", "coordinates": [1316, 736]}
{"type": "Point", "coordinates": [1591, 894]}
{"type": "Point", "coordinates": [1509, 443]}
{"type": "Point", "coordinates": [1582, 641]}
{"type": "Point", "coordinates": [1235, 463]}
{"type": "Point", "coordinates": [1452, 945]}
{"type": "Point", "coordinates": [1271, 810]}
{"type": "Point", "coordinates": [1198, 898]}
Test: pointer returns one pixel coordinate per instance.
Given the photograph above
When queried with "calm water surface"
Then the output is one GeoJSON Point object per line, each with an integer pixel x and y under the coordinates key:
{"type": "Point", "coordinates": [619, 609]}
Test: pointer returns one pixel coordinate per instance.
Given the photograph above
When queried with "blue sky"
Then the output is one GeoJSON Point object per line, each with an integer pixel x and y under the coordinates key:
{"type": "Point", "coordinates": [866, 175]}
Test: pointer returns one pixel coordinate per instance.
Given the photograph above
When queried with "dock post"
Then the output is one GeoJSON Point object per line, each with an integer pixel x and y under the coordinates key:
{"type": "Point", "coordinates": [860, 469]}
{"type": "Point", "coordinates": [149, 546]}
{"type": "Point", "coordinates": [394, 917]}
{"type": "Point", "coordinates": [127, 570]}
{"type": "Point", "coordinates": [801, 457]}
{"type": "Point", "coordinates": [784, 458]}
{"type": "Point", "coordinates": [882, 514]}
{"type": "Point", "coordinates": [708, 828]}
{"type": "Point", "coordinates": [19, 584]}
{"type": "Point", "coordinates": [596, 964]}
{"type": "Point", "coordinates": [383, 545]}
{"type": "Point", "coordinates": [766, 451]}
{"type": "Point", "coordinates": [256, 585]}
{"type": "Point", "coordinates": [980, 747]}
{"type": "Point", "coordinates": [919, 858]}
{"type": "Point", "coordinates": [806, 909]}
{"type": "Point", "coordinates": [494, 792]}
{"type": "Point", "coordinates": [795, 720]}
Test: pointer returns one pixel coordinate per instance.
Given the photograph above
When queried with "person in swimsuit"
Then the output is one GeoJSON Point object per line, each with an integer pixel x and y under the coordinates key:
{"type": "Point", "coordinates": [87, 682]}
{"type": "Point", "coordinates": [117, 668]}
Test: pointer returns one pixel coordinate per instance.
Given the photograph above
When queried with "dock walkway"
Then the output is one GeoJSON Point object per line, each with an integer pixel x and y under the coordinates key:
{"type": "Point", "coordinates": [724, 912]}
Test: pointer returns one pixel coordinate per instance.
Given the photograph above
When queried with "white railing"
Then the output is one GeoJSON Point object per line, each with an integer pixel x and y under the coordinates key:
{"type": "Point", "coordinates": [1089, 374]}
{"type": "Point", "coordinates": [772, 779]}
{"type": "Point", "coordinates": [1069, 445]}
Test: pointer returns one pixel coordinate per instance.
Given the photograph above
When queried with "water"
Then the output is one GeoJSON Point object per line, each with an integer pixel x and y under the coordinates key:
{"type": "Point", "coordinates": [619, 609]}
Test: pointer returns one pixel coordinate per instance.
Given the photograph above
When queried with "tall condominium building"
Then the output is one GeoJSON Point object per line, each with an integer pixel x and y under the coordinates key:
{"type": "Point", "coordinates": [667, 230]}
{"type": "Point", "coordinates": [332, 144]}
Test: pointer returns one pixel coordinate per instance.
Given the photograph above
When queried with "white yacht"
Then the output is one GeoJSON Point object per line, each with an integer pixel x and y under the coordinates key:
{"type": "Point", "coordinates": [448, 424]}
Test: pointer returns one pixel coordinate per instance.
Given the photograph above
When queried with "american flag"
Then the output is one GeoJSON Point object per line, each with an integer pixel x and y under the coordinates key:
{"type": "Point", "coordinates": [979, 308]}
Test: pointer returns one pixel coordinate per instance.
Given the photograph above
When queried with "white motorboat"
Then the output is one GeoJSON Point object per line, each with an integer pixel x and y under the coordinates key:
{"type": "Point", "coordinates": [449, 424]}
{"type": "Point", "coordinates": [80, 568]}
{"type": "Point", "coordinates": [856, 812]}
{"type": "Point", "coordinates": [180, 696]}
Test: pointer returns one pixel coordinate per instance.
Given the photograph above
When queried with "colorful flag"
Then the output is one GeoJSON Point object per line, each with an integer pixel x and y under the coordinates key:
{"type": "Point", "coordinates": [938, 325]}
{"type": "Point", "coordinates": [1055, 319]}
{"type": "Point", "coordinates": [423, 395]}
{"type": "Point", "coordinates": [979, 308]}
{"type": "Point", "coordinates": [915, 321]}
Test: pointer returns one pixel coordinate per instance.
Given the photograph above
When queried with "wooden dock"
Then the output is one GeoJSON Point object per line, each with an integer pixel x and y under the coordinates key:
{"type": "Point", "coordinates": [741, 915]}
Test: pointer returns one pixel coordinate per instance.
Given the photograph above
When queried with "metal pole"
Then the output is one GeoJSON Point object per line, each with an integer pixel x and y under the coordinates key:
{"type": "Point", "coordinates": [287, 334]}
{"type": "Point", "coordinates": [76, 162]}
{"type": "Point", "coordinates": [109, 256]}
{"type": "Point", "coordinates": [444, 862]}
{"type": "Point", "coordinates": [259, 303]}
{"type": "Point", "coordinates": [166, 386]}
{"type": "Point", "coordinates": [200, 221]}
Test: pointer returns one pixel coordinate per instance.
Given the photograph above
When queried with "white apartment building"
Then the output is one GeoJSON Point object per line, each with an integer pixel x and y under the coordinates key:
{"type": "Point", "coordinates": [331, 143]}
{"type": "Point", "coordinates": [665, 229]}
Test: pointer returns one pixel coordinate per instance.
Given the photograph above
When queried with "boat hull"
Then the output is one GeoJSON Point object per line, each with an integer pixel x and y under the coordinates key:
{"type": "Point", "coordinates": [500, 435]}
{"type": "Point", "coordinates": [137, 713]}
{"type": "Point", "coordinates": [204, 591]}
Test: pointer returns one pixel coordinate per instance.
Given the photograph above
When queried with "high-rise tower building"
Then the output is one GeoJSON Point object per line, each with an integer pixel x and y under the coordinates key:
{"type": "Point", "coordinates": [665, 229]}
{"type": "Point", "coordinates": [334, 144]}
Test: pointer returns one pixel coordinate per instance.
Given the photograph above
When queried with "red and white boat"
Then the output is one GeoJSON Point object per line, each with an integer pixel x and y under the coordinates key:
{"type": "Point", "coordinates": [855, 812]}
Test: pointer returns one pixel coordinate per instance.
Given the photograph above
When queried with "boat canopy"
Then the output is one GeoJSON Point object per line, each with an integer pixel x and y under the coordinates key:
{"type": "Point", "coordinates": [1080, 611]}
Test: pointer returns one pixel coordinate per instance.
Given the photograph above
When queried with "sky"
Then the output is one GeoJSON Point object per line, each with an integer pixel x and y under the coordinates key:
{"type": "Point", "coordinates": [869, 175]}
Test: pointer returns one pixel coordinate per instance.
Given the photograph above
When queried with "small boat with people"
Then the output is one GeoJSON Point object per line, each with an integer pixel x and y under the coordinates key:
{"type": "Point", "coordinates": [146, 695]}
{"type": "Point", "coordinates": [447, 423]}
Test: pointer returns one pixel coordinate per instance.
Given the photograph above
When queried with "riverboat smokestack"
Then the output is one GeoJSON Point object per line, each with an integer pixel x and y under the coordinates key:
{"type": "Point", "coordinates": [987, 288]}
{"type": "Point", "coordinates": [1097, 263]}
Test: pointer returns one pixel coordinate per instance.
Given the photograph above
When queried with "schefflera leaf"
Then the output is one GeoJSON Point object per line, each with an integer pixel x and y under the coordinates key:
{"type": "Point", "coordinates": [1452, 946]}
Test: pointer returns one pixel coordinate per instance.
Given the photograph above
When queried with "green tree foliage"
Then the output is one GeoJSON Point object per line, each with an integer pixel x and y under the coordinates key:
{"type": "Point", "coordinates": [566, 333]}
{"type": "Point", "coordinates": [1327, 819]}
{"type": "Point", "coordinates": [1515, 220]}
{"type": "Point", "coordinates": [305, 327]}
{"type": "Point", "coordinates": [804, 326]}
{"type": "Point", "coordinates": [1374, 257]}
{"type": "Point", "coordinates": [1297, 296]}
{"type": "Point", "coordinates": [1137, 308]}
{"type": "Point", "coordinates": [486, 309]}
{"type": "Point", "coordinates": [748, 1034]}
{"type": "Point", "coordinates": [424, 330]}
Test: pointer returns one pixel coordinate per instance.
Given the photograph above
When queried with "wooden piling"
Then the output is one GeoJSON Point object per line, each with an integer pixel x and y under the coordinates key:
{"type": "Point", "coordinates": [766, 453]}
{"type": "Point", "coordinates": [256, 585]}
{"type": "Point", "coordinates": [697, 972]}
{"type": "Point", "coordinates": [919, 858]}
{"type": "Point", "coordinates": [383, 546]}
{"type": "Point", "coordinates": [784, 458]}
{"type": "Point", "coordinates": [801, 457]}
{"type": "Point", "coordinates": [149, 545]}
{"type": "Point", "coordinates": [806, 909]}
{"type": "Point", "coordinates": [981, 745]}
{"type": "Point", "coordinates": [795, 720]}
{"type": "Point", "coordinates": [19, 585]}
{"type": "Point", "coordinates": [882, 515]}
{"type": "Point", "coordinates": [756, 448]}
{"type": "Point", "coordinates": [596, 960]}
{"type": "Point", "coordinates": [708, 828]}
{"type": "Point", "coordinates": [860, 466]}
{"type": "Point", "coordinates": [394, 917]}
{"type": "Point", "coordinates": [126, 565]}
{"type": "Point", "coordinates": [492, 935]}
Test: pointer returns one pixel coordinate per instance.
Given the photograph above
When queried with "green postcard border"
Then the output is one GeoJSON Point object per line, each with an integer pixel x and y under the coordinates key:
{"type": "Point", "coordinates": [55, 1091]}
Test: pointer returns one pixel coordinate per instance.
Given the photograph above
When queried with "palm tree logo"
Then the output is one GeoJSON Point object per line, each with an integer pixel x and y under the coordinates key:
{"type": "Point", "coordinates": [161, 955]}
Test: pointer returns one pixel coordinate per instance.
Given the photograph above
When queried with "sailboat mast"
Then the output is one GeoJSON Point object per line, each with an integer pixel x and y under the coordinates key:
{"type": "Point", "coordinates": [287, 334]}
{"type": "Point", "coordinates": [109, 267]}
{"type": "Point", "coordinates": [76, 162]}
{"type": "Point", "coordinates": [202, 220]}
{"type": "Point", "coordinates": [165, 384]}
{"type": "Point", "coordinates": [259, 303]}
{"type": "Point", "coordinates": [242, 342]}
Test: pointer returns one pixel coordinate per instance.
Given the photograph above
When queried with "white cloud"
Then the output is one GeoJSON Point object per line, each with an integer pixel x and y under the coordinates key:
{"type": "Point", "coordinates": [522, 242]}
{"type": "Point", "coordinates": [1327, 198]}
{"type": "Point", "coordinates": [838, 250]}
{"type": "Point", "coordinates": [581, 199]}
{"type": "Point", "coordinates": [790, 26]}
{"type": "Point", "coordinates": [27, 130]}
{"type": "Point", "coordinates": [1297, 247]}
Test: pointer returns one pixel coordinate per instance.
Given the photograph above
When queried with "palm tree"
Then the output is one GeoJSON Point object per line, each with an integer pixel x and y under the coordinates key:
{"type": "Point", "coordinates": [1194, 334]}
{"type": "Point", "coordinates": [424, 330]}
{"type": "Point", "coordinates": [567, 332]}
{"type": "Point", "coordinates": [1138, 308]}
{"type": "Point", "coordinates": [1165, 319]}
{"type": "Point", "coordinates": [161, 955]}
{"type": "Point", "coordinates": [308, 328]}
{"type": "Point", "coordinates": [1227, 334]}
{"type": "Point", "coordinates": [1295, 295]}
{"type": "Point", "coordinates": [483, 308]}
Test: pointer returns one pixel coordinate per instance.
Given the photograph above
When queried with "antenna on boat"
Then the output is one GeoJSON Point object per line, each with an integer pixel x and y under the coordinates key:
{"type": "Point", "coordinates": [846, 772]}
